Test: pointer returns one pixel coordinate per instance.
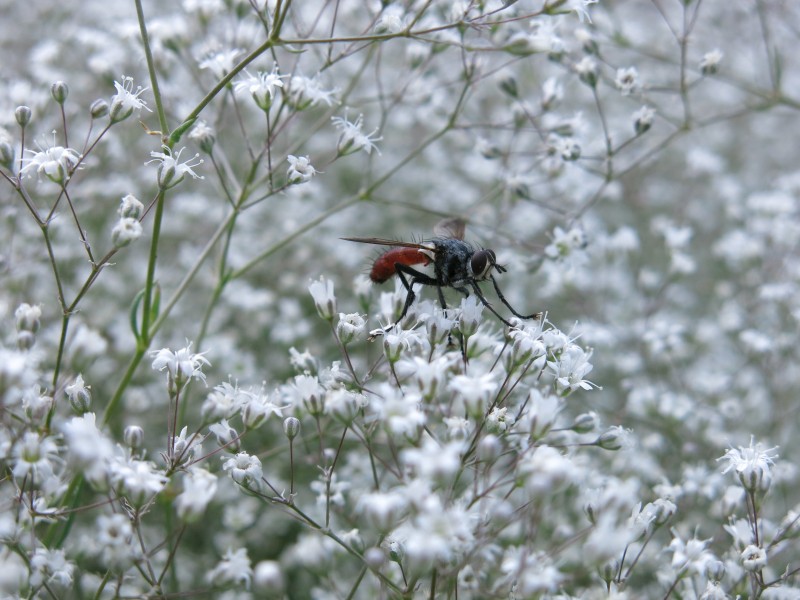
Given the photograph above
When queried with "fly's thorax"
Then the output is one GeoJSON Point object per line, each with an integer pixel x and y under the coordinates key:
{"type": "Point", "coordinates": [453, 262]}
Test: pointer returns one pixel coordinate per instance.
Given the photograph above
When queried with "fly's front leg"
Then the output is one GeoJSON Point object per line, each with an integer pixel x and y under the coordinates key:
{"type": "Point", "coordinates": [500, 295]}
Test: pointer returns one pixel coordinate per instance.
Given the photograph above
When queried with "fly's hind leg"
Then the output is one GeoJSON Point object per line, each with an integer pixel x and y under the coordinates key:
{"type": "Point", "coordinates": [416, 277]}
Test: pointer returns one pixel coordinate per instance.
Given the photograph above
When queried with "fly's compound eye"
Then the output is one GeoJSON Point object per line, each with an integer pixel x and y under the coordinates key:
{"type": "Point", "coordinates": [482, 263]}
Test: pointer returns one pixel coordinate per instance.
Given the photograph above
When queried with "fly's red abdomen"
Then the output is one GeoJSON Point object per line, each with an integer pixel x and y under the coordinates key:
{"type": "Point", "coordinates": [383, 268]}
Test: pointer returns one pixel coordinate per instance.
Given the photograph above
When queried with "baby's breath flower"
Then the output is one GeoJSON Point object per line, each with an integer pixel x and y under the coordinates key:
{"type": "Point", "coordinates": [268, 579]}
{"type": "Point", "coordinates": [245, 470]}
{"type": "Point", "coordinates": [350, 326]}
{"type": "Point", "coordinates": [233, 569]}
{"type": "Point", "coordinates": [300, 169]}
{"type": "Point", "coordinates": [227, 437]}
{"type": "Point", "coordinates": [26, 317]}
{"type": "Point", "coordinates": [224, 401]}
{"type": "Point", "coordinates": [57, 163]}
{"type": "Point", "coordinates": [643, 119]}
{"type": "Point", "coordinates": [710, 62]}
{"type": "Point", "coordinates": [352, 139]}
{"type": "Point", "coordinates": [754, 558]}
{"type": "Point", "coordinates": [130, 207]}
{"type": "Point", "coordinates": [35, 458]}
{"type": "Point", "coordinates": [324, 298]}
{"type": "Point", "coordinates": [570, 368]}
{"type": "Point", "coordinates": [126, 101]}
{"type": "Point", "coordinates": [220, 62]}
{"type": "Point", "coordinates": [470, 315]}
{"type": "Point", "coordinates": [587, 71]}
{"type": "Point", "coordinates": [262, 87]}
{"type": "Point", "coordinates": [79, 394]}
{"type": "Point", "coordinates": [170, 171]}
{"type": "Point", "coordinates": [50, 567]}
{"type": "Point", "coordinates": [137, 480]}
{"type": "Point", "coordinates": [752, 465]}
{"type": "Point", "coordinates": [203, 135]}
{"type": "Point", "coordinates": [627, 80]}
{"type": "Point", "coordinates": [304, 92]}
{"type": "Point", "coordinates": [126, 230]}
{"type": "Point", "coordinates": [182, 364]}
{"type": "Point", "coordinates": [199, 487]}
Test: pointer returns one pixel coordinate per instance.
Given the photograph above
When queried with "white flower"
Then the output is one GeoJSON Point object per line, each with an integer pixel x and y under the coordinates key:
{"type": "Point", "coordinates": [234, 569]}
{"type": "Point", "coordinates": [754, 558]}
{"type": "Point", "coordinates": [691, 555]}
{"type": "Point", "coordinates": [710, 62]}
{"type": "Point", "coordinates": [627, 80]}
{"type": "Point", "coordinates": [262, 87]}
{"type": "Point", "coordinates": [570, 368]}
{"type": "Point", "coordinates": [324, 297]}
{"type": "Point", "coordinates": [643, 119]}
{"type": "Point", "coordinates": [245, 470]}
{"type": "Point", "coordinates": [50, 567]}
{"type": "Point", "coordinates": [170, 171]}
{"type": "Point", "coordinates": [300, 169]}
{"type": "Point", "coordinates": [126, 101]}
{"type": "Point", "coordinates": [224, 401]}
{"type": "Point", "coordinates": [56, 163]}
{"type": "Point", "coordinates": [35, 458]}
{"type": "Point", "coordinates": [304, 92]}
{"type": "Point", "coordinates": [220, 62]}
{"type": "Point", "coordinates": [752, 465]}
{"type": "Point", "coordinates": [126, 230]}
{"type": "Point", "coordinates": [137, 480]}
{"type": "Point", "coordinates": [114, 537]}
{"type": "Point", "coordinates": [199, 487]}
{"type": "Point", "coordinates": [79, 394]}
{"type": "Point", "coordinates": [180, 365]}
{"type": "Point", "coordinates": [87, 448]}
{"type": "Point", "coordinates": [352, 139]}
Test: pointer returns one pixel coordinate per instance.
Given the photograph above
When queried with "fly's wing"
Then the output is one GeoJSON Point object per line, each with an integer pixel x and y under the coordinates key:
{"type": "Point", "coordinates": [395, 243]}
{"type": "Point", "coordinates": [450, 228]}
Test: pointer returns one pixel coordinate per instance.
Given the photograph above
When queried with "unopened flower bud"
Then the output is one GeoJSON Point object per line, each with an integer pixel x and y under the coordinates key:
{"type": "Point", "coordinates": [23, 115]}
{"type": "Point", "coordinates": [25, 340]}
{"type": "Point", "coordinates": [27, 317]}
{"type": "Point", "coordinates": [374, 558]}
{"type": "Point", "coordinates": [291, 427]}
{"type": "Point", "coordinates": [586, 422]}
{"type": "Point", "coordinates": [133, 436]}
{"type": "Point", "coordinates": [614, 438]}
{"type": "Point", "coordinates": [268, 579]}
{"type": "Point", "coordinates": [6, 155]}
{"type": "Point", "coordinates": [509, 85]}
{"type": "Point", "coordinates": [98, 108]}
{"type": "Point", "coordinates": [715, 570]}
{"type": "Point", "coordinates": [59, 90]}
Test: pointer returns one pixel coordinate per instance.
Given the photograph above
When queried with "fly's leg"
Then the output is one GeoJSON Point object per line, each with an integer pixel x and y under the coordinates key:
{"type": "Point", "coordinates": [537, 315]}
{"type": "Point", "coordinates": [416, 277]}
{"type": "Point", "coordinates": [485, 302]}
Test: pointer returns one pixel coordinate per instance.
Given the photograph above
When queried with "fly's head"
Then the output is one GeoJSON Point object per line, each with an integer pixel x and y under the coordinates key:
{"type": "Point", "coordinates": [482, 263]}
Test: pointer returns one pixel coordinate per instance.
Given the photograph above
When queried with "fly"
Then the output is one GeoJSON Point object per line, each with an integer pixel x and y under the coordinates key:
{"type": "Point", "coordinates": [456, 264]}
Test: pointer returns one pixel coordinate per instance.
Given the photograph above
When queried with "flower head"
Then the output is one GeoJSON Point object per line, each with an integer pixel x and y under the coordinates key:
{"type": "Point", "coordinates": [126, 101]}
{"type": "Point", "coordinates": [182, 364]}
{"type": "Point", "coordinates": [262, 87]}
{"type": "Point", "coordinates": [752, 465]}
{"type": "Point", "coordinates": [352, 139]}
{"type": "Point", "coordinates": [57, 163]}
{"type": "Point", "coordinates": [170, 171]}
{"type": "Point", "coordinates": [300, 169]}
